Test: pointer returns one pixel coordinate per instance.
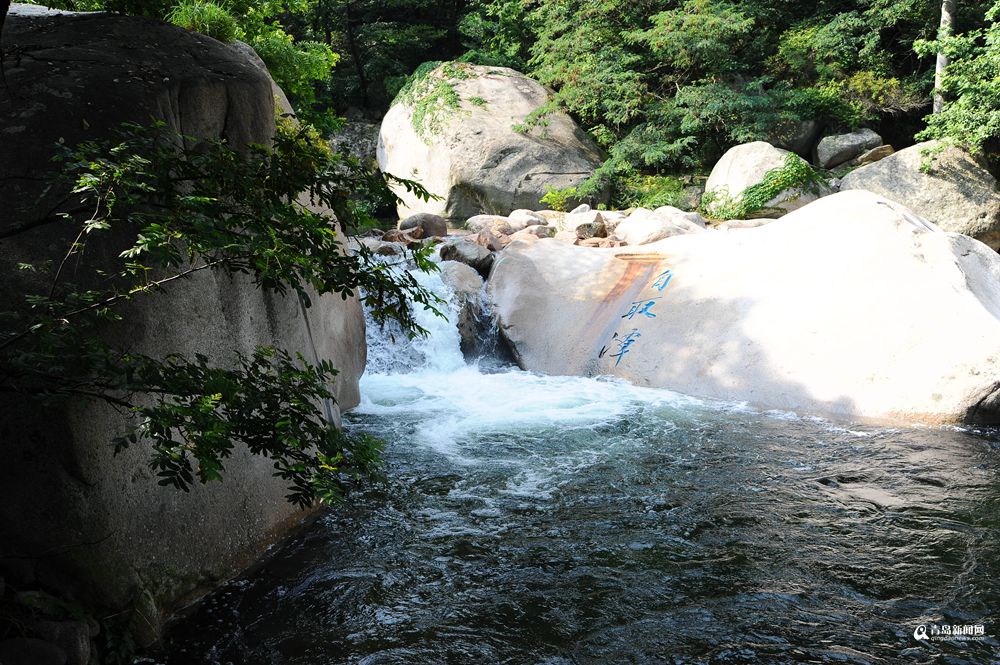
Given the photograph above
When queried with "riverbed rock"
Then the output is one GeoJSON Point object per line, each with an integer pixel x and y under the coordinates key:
{"type": "Point", "coordinates": [744, 166]}
{"type": "Point", "coordinates": [644, 226]}
{"type": "Point", "coordinates": [467, 288]}
{"type": "Point", "coordinates": [591, 229]}
{"type": "Point", "coordinates": [779, 316]}
{"type": "Point", "coordinates": [527, 218]}
{"type": "Point", "coordinates": [99, 518]}
{"type": "Point", "coordinates": [468, 252]}
{"type": "Point", "coordinates": [491, 241]}
{"type": "Point", "coordinates": [539, 231]}
{"type": "Point", "coordinates": [429, 225]}
{"type": "Point", "coordinates": [832, 151]}
{"type": "Point", "coordinates": [471, 155]}
{"type": "Point", "coordinates": [957, 192]}
{"type": "Point", "coordinates": [493, 223]}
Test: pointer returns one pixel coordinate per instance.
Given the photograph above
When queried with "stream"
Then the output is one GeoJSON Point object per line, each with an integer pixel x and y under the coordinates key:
{"type": "Point", "coordinates": [555, 520]}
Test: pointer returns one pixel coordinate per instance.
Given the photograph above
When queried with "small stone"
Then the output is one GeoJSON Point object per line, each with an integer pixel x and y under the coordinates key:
{"type": "Point", "coordinates": [416, 233]}
{"type": "Point", "coordinates": [403, 237]}
{"type": "Point", "coordinates": [523, 235]}
{"type": "Point", "coordinates": [874, 155]}
{"type": "Point", "coordinates": [594, 229]}
{"type": "Point", "coordinates": [599, 242]}
{"type": "Point", "coordinates": [493, 223]}
{"type": "Point", "coordinates": [540, 230]}
{"type": "Point", "coordinates": [528, 217]}
{"type": "Point", "coordinates": [583, 207]}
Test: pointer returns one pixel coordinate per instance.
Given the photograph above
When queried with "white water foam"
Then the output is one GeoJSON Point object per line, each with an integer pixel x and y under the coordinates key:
{"type": "Point", "coordinates": [456, 400]}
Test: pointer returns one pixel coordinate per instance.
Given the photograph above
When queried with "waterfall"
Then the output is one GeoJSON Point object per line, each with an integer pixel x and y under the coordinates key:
{"type": "Point", "coordinates": [390, 352]}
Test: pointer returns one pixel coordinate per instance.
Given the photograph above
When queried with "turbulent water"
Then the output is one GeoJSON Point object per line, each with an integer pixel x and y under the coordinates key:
{"type": "Point", "coordinates": [555, 520]}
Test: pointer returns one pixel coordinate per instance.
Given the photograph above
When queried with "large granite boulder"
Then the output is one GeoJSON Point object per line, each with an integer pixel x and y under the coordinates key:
{"type": "Point", "coordinates": [951, 188]}
{"type": "Point", "coordinates": [852, 306]}
{"type": "Point", "coordinates": [745, 166]}
{"type": "Point", "coordinates": [454, 131]}
{"type": "Point", "coordinates": [102, 520]}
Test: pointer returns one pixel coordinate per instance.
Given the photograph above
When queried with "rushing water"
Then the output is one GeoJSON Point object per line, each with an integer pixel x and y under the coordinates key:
{"type": "Point", "coordinates": [555, 520]}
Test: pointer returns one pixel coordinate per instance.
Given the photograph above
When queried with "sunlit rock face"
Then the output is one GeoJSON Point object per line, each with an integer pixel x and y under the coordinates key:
{"type": "Point", "coordinates": [944, 184]}
{"type": "Point", "coordinates": [465, 134]}
{"type": "Point", "coordinates": [851, 306]}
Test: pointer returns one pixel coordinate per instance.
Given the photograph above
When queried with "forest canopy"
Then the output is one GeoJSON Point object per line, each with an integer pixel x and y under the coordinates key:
{"type": "Point", "coordinates": [663, 85]}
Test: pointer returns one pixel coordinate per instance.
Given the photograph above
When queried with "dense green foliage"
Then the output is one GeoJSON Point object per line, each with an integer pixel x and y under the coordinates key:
{"type": "Point", "coordinates": [167, 213]}
{"type": "Point", "coordinates": [301, 66]}
{"type": "Point", "coordinates": [665, 86]}
{"type": "Point", "coordinates": [973, 83]}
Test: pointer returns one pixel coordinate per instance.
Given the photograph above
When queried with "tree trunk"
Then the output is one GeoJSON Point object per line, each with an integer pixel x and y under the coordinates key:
{"type": "Point", "coordinates": [945, 31]}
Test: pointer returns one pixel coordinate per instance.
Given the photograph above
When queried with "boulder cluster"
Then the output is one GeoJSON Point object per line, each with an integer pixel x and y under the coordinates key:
{"type": "Point", "coordinates": [945, 184]}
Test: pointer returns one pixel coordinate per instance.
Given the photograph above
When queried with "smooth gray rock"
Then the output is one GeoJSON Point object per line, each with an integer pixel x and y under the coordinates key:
{"type": "Point", "coordinates": [473, 158]}
{"type": "Point", "coordinates": [527, 217]}
{"type": "Point", "coordinates": [467, 289]}
{"type": "Point", "coordinates": [832, 151]}
{"type": "Point", "coordinates": [470, 253]}
{"type": "Point", "coordinates": [429, 225]}
{"type": "Point", "coordinates": [493, 223]}
{"type": "Point", "coordinates": [957, 192]}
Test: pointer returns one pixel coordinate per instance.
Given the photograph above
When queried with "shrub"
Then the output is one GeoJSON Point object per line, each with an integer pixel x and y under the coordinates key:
{"type": "Point", "coordinates": [558, 199]}
{"type": "Point", "coordinates": [795, 173]}
{"type": "Point", "coordinates": [205, 17]}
